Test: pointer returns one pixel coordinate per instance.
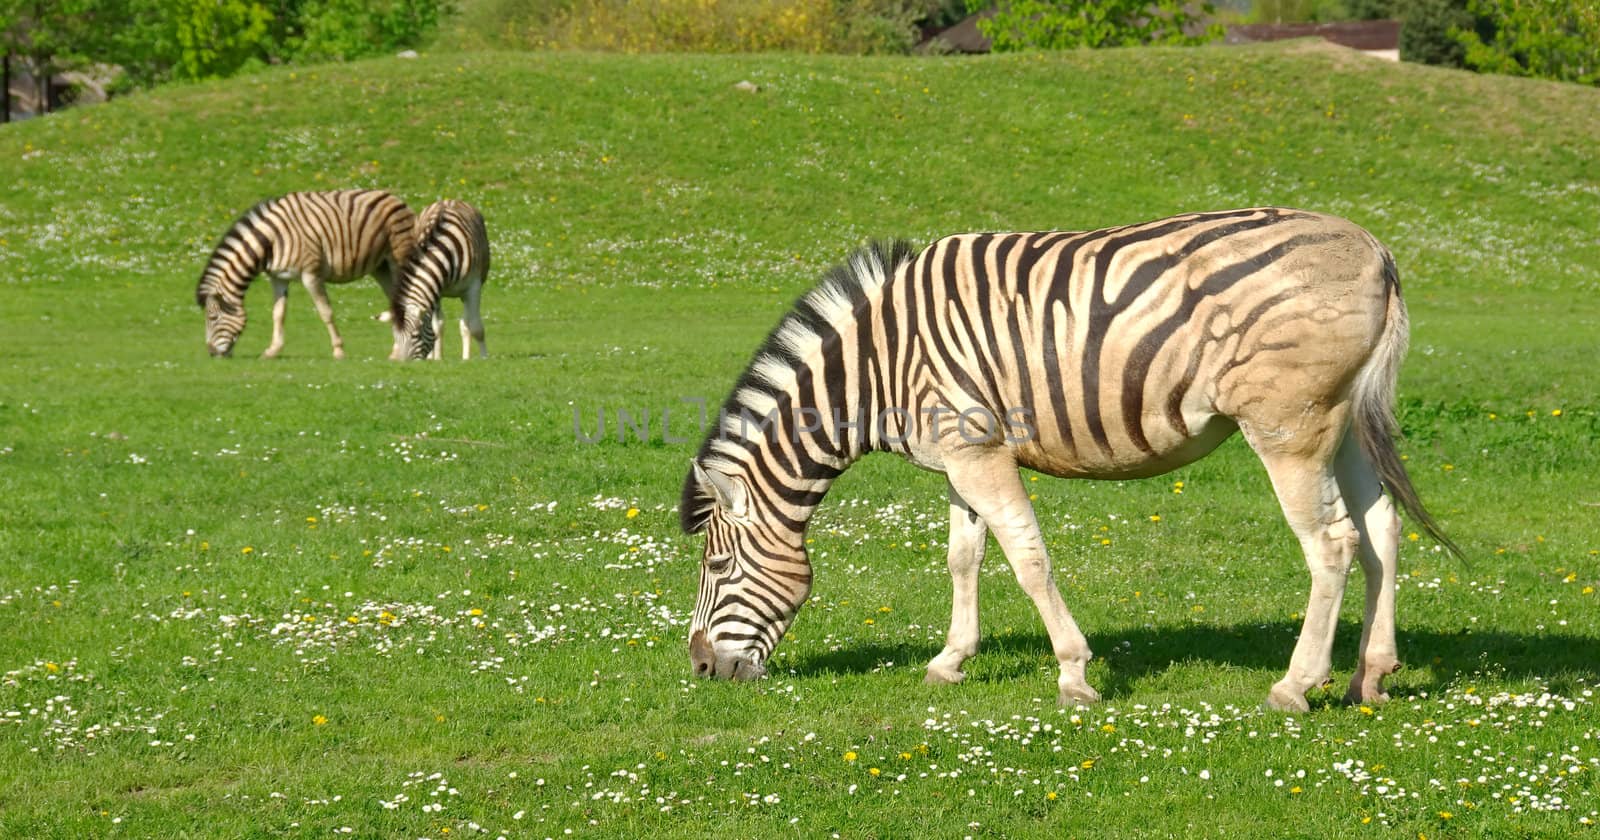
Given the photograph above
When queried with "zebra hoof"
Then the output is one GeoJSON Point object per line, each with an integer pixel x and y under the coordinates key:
{"type": "Point", "coordinates": [1282, 699]}
{"type": "Point", "coordinates": [1077, 695]}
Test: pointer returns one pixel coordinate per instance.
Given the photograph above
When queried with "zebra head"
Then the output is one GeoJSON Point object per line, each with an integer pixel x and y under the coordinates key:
{"type": "Point", "coordinates": [414, 336]}
{"type": "Point", "coordinates": [753, 578]}
{"type": "Point", "coordinates": [224, 321]}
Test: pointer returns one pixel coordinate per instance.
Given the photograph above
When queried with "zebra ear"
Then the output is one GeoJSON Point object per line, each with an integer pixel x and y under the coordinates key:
{"type": "Point", "coordinates": [730, 495]}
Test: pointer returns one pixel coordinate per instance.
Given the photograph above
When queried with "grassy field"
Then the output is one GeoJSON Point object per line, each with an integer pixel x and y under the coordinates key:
{"type": "Point", "coordinates": [306, 597]}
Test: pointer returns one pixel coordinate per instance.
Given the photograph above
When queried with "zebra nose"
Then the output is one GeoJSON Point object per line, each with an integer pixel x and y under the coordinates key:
{"type": "Point", "coordinates": [701, 656]}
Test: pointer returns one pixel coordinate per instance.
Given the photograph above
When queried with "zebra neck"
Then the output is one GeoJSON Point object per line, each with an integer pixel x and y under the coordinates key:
{"type": "Point", "coordinates": [789, 445]}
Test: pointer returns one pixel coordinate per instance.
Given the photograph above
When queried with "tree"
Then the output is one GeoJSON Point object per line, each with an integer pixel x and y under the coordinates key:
{"type": "Point", "coordinates": [1068, 24]}
{"type": "Point", "coordinates": [1548, 39]}
{"type": "Point", "coordinates": [48, 35]}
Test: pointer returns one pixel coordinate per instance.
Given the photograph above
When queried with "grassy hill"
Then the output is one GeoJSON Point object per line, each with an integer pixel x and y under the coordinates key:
{"type": "Point", "coordinates": [290, 597]}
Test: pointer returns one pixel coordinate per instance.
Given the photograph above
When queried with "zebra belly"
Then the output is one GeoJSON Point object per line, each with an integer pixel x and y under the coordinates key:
{"type": "Point", "coordinates": [1051, 455]}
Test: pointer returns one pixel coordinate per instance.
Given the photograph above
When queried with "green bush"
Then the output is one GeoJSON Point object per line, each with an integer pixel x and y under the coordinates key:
{"type": "Point", "coordinates": [1549, 39]}
{"type": "Point", "coordinates": [346, 29]}
{"type": "Point", "coordinates": [722, 26]}
{"type": "Point", "coordinates": [1069, 24]}
{"type": "Point", "coordinates": [1426, 32]}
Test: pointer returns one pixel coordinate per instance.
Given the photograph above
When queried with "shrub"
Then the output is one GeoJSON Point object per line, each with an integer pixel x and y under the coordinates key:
{"type": "Point", "coordinates": [1425, 34]}
{"type": "Point", "coordinates": [1069, 24]}
{"type": "Point", "coordinates": [1550, 39]}
{"type": "Point", "coordinates": [848, 26]}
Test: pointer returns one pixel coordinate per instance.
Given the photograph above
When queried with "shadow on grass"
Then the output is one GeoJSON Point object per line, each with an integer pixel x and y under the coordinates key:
{"type": "Point", "coordinates": [1134, 654]}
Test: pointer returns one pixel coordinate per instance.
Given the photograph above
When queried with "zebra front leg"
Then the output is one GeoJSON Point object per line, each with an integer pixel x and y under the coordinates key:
{"type": "Point", "coordinates": [319, 297]}
{"type": "Point", "coordinates": [280, 309]}
{"type": "Point", "coordinates": [1309, 495]}
{"type": "Point", "coordinates": [967, 537]}
{"type": "Point", "coordinates": [987, 478]}
{"type": "Point", "coordinates": [1379, 526]}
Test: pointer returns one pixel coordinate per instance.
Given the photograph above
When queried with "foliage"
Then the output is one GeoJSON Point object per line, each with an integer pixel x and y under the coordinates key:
{"type": "Point", "coordinates": [158, 40]}
{"type": "Point", "coordinates": [1426, 32]}
{"type": "Point", "coordinates": [1301, 11]}
{"type": "Point", "coordinates": [1549, 39]}
{"type": "Point", "coordinates": [52, 35]}
{"type": "Point", "coordinates": [718, 26]}
{"type": "Point", "coordinates": [1070, 24]}
{"type": "Point", "coordinates": [520, 635]}
{"type": "Point", "coordinates": [345, 29]}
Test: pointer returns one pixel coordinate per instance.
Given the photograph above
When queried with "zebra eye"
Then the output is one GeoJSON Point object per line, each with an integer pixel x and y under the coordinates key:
{"type": "Point", "coordinates": [719, 564]}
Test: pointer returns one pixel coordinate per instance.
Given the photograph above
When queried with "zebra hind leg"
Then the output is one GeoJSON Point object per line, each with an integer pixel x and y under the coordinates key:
{"type": "Point", "coordinates": [967, 537]}
{"type": "Point", "coordinates": [472, 321]}
{"type": "Point", "coordinates": [1308, 491]}
{"type": "Point", "coordinates": [1379, 525]}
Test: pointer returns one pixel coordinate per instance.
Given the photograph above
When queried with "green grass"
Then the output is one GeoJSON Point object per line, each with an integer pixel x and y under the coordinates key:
{"type": "Point", "coordinates": [205, 558]}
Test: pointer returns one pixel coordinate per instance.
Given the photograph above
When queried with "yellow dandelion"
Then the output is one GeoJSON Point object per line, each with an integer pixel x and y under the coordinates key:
{"type": "Point", "coordinates": [1556, 413]}
{"type": "Point", "coordinates": [318, 720]}
{"type": "Point", "coordinates": [1366, 710]}
{"type": "Point", "coordinates": [1445, 815]}
{"type": "Point", "coordinates": [1155, 517]}
{"type": "Point", "coordinates": [1087, 763]}
{"type": "Point", "coordinates": [905, 756]}
{"type": "Point", "coordinates": [873, 771]}
{"type": "Point", "coordinates": [885, 609]}
{"type": "Point", "coordinates": [1110, 727]}
{"type": "Point", "coordinates": [474, 612]}
{"type": "Point", "coordinates": [1296, 789]}
{"type": "Point", "coordinates": [632, 512]}
{"type": "Point", "coordinates": [440, 718]}
{"type": "Point", "coordinates": [1051, 796]}
{"type": "Point", "coordinates": [868, 621]}
{"type": "Point", "coordinates": [850, 756]}
{"type": "Point", "coordinates": [246, 550]}
{"type": "Point", "coordinates": [354, 619]}
{"type": "Point", "coordinates": [1413, 536]}
{"type": "Point", "coordinates": [52, 667]}
{"type": "Point", "coordinates": [311, 519]}
{"type": "Point", "coordinates": [1588, 590]}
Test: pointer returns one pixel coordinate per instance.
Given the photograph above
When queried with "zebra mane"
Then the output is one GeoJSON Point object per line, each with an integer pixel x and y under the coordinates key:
{"type": "Point", "coordinates": [833, 301]}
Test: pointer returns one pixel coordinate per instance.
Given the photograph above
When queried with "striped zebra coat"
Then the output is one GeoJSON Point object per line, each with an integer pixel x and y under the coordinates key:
{"type": "Point", "coordinates": [317, 237]}
{"type": "Point", "coordinates": [451, 260]}
{"type": "Point", "coordinates": [1113, 353]}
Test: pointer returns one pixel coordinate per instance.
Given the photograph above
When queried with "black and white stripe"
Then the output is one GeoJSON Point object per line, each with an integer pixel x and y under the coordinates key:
{"type": "Point", "coordinates": [1113, 353]}
{"type": "Point", "coordinates": [316, 237]}
{"type": "Point", "coordinates": [451, 260]}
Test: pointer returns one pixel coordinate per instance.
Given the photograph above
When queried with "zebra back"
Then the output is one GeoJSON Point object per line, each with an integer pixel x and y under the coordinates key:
{"type": "Point", "coordinates": [337, 235]}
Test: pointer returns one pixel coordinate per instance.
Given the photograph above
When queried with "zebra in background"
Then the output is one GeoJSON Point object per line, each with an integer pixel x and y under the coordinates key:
{"type": "Point", "coordinates": [1115, 353]}
{"type": "Point", "coordinates": [319, 237]}
{"type": "Point", "coordinates": [451, 260]}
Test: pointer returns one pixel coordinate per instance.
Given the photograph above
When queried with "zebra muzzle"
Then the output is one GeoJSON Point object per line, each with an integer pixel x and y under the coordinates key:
{"type": "Point", "coordinates": [706, 662]}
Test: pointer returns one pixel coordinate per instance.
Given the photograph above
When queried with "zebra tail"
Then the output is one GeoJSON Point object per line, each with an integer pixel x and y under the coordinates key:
{"type": "Point", "coordinates": [1374, 421]}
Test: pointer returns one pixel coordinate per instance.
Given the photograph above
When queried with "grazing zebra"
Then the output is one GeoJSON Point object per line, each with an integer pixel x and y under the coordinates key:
{"type": "Point", "coordinates": [319, 237]}
{"type": "Point", "coordinates": [451, 260]}
{"type": "Point", "coordinates": [1114, 353]}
